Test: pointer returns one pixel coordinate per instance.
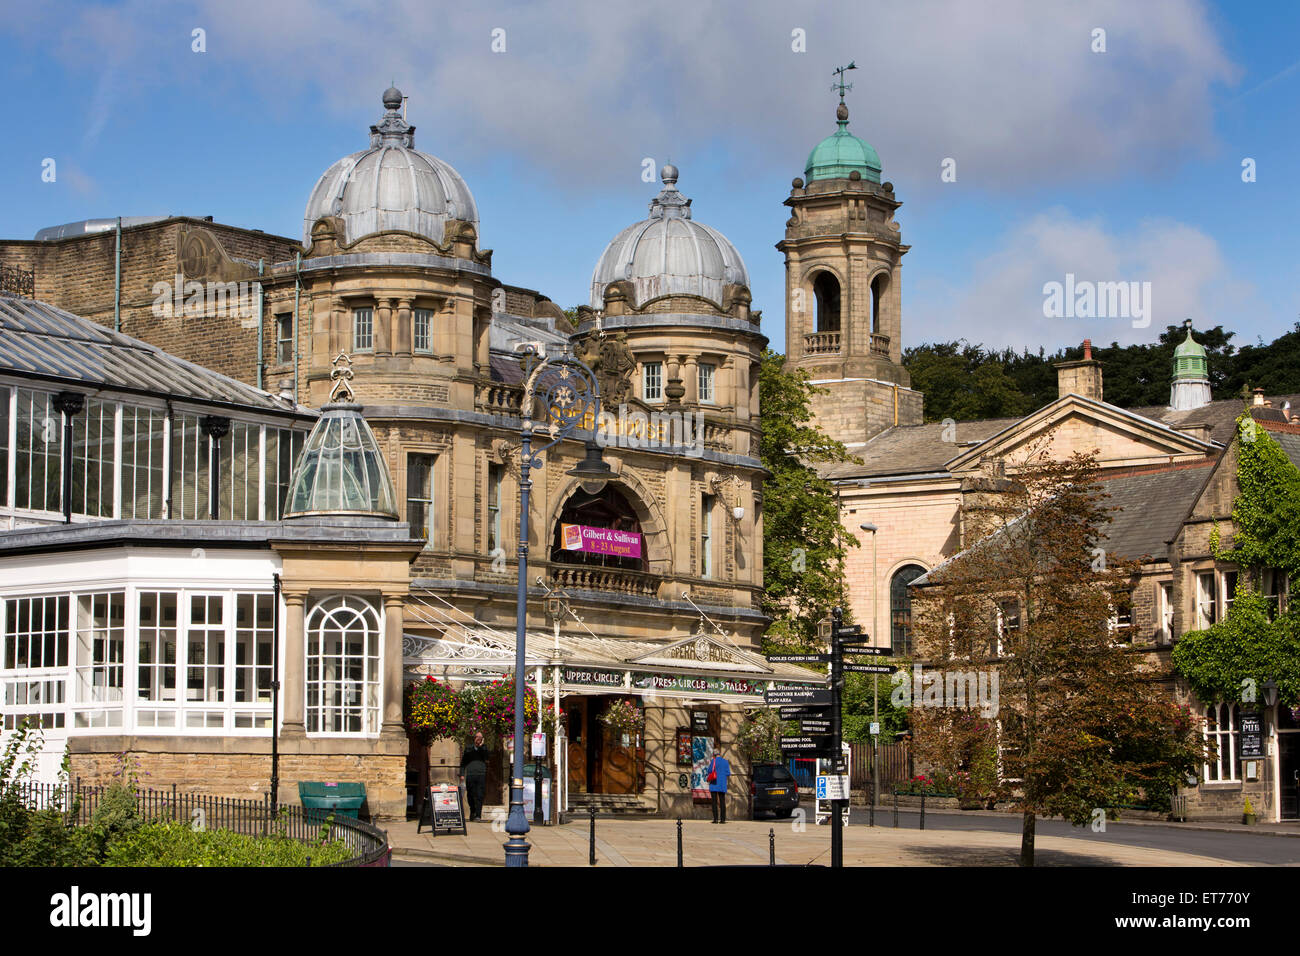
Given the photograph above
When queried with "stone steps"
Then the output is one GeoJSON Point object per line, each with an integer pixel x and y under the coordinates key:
{"type": "Point", "coordinates": [615, 803]}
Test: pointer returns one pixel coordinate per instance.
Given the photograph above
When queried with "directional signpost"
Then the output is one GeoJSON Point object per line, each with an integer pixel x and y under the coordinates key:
{"type": "Point", "coordinates": [805, 696]}
{"type": "Point", "coordinates": [818, 711]}
{"type": "Point", "coordinates": [870, 668]}
{"type": "Point", "coordinates": [798, 713]}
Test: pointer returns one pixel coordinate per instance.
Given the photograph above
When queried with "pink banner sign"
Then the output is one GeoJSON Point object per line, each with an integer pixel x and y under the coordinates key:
{"type": "Point", "coordinates": [580, 537]}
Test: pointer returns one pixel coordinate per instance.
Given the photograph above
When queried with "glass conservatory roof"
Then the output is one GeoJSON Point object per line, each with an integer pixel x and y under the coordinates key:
{"type": "Point", "coordinates": [341, 471]}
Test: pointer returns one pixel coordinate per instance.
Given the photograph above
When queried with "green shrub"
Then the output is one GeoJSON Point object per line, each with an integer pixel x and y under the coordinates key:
{"type": "Point", "coordinates": [49, 841]}
{"type": "Point", "coordinates": [175, 844]}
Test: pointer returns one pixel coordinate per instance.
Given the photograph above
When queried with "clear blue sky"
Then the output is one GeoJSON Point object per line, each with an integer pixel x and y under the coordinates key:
{"type": "Point", "coordinates": [1122, 165]}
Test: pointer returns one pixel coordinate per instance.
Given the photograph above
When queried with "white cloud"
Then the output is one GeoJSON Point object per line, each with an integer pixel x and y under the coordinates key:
{"type": "Point", "coordinates": [1002, 304]}
{"type": "Point", "coordinates": [585, 89]}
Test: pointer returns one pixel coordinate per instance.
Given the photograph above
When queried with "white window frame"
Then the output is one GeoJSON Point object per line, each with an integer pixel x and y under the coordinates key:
{"type": "Point", "coordinates": [131, 712]}
{"type": "Point", "coordinates": [427, 315]}
{"type": "Point", "coordinates": [708, 505]}
{"type": "Point", "coordinates": [1207, 593]}
{"type": "Point", "coordinates": [1165, 610]}
{"type": "Point", "coordinates": [1214, 741]}
{"type": "Point", "coordinates": [707, 383]}
{"type": "Point", "coordinates": [370, 692]}
{"type": "Point", "coordinates": [652, 382]}
{"type": "Point", "coordinates": [284, 338]}
{"type": "Point", "coordinates": [363, 328]}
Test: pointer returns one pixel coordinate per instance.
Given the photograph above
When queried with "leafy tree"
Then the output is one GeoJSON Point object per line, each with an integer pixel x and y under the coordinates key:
{"type": "Point", "coordinates": [1081, 724]}
{"type": "Point", "coordinates": [1252, 644]}
{"type": "Point", "coordinates": [803, 548]}
{"type": "Point", "coordinates": [860, 706]}
{"type": "Point", "coordinates": [964, 381]}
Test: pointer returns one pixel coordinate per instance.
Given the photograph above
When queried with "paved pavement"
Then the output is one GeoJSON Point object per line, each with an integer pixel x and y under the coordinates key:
{"type": "Point", "coordinates": [642, 842]}
{"type": "Point", "coordinates": [1263, 844]}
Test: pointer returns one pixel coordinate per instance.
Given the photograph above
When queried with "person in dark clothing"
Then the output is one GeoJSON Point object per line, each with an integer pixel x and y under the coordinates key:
{"type": "Point", "coordinates": [719, 773]}
{"type": "Point", "coordinates": [473, 776]}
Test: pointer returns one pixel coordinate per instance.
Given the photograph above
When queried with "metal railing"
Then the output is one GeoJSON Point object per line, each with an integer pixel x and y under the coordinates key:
{"type": "Point", "coordinates": [18, 281]}
{"type": "Point", "coordinates": [367, 844]}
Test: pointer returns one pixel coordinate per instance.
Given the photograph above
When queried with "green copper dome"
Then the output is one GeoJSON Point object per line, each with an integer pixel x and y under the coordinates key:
{"type": "Point", "coordinates": [841, 153]}
{"type": "Point", "coordinates": [1190, 359]}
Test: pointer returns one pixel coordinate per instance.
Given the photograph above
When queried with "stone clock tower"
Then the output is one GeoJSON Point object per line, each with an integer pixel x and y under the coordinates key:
{"type": "Point", "coordinates": [843, 254]}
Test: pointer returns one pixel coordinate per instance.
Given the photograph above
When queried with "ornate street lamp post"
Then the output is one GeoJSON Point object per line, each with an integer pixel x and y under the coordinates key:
{"type": "Point", "coordinates": [568, 393]}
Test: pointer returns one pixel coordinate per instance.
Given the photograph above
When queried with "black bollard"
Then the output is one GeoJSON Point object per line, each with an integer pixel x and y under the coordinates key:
{"type": "Point", "coordinates": [922, 809]}
{"type": "Point", "coordinates": [771, 847]}
{"type": "Point", "coordinates": [679, 841]}
{"type": "Point", "coordinates": [591, 811]}
{"type": "Point", "coordinates": [895, 809]}
{"type": "Point", "coordinates": [871, 810]}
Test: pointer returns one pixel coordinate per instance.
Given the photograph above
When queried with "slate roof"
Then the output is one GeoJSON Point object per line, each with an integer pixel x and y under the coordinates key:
{"type": "Point", "coordinates": [40, 341]}
{"type": "Point", "coordinates": [1148, 508]}
{"type": "Point", "coordinates": [1220, 416]}
{"type": "Point", "coordinates": [917, 449]}
{"type": "Point", "coordinates": [1290, 444]}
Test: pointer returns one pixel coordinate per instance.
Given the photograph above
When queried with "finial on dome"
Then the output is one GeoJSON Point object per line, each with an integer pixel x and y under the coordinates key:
{"type": "Point", "coordinates": [668, 174]}
{"type": "Point", "coordinates": [341, 373]}
{"type": "Point", "coordinates": [392, 98]}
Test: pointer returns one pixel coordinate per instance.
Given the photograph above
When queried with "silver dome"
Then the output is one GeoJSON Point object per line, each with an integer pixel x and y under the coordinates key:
{"type": "Point", "coordinates": [669, 253]}
{"type": "Point", "coordinates": [390, 186]}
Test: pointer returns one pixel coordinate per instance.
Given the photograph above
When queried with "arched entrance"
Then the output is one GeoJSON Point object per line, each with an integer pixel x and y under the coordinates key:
{"type": "Point", "coordinates": [608, 510]}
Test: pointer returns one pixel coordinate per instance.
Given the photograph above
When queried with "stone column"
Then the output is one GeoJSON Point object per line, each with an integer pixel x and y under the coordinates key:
{"type": "Point", "coordinates": [392, 677]}
{"type": "Point", "coordinates": [690, 373]}
{"type": "Point", "coordinates": [384, 328]}
{"type": "Point", "coordinates": [339, 331]}
{"type": "Point", "coordinates": [402, 329]}
{"type": "Point", "coordinates": [293, 666]}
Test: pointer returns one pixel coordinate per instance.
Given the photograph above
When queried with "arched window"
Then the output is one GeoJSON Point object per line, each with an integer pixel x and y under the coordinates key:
{"type": "Point", "coordinates": [900, 608]}
{"type": "Point", "coordinates": [343, 676]}
{"type": "Point", "coordinates": [878, 285]}
{"type": "Point", "coordinates": [609, 509]}
{"type": "Point", "coordinates": [827, 289]}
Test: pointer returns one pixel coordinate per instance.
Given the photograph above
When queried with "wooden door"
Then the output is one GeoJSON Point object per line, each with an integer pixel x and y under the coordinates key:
{"type": "Point", "coordinates": [618, 763]}
{"type": "Point", "coordinates": [577, 746]}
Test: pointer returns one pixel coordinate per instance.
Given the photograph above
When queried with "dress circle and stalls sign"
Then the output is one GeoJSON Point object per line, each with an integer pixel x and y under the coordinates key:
{"type": "Point", "coordinates": [619, 544]}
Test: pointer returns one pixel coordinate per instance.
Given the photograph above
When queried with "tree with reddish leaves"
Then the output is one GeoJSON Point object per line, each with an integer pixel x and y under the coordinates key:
{"type": "Point", "coordinates": [1078, 723]}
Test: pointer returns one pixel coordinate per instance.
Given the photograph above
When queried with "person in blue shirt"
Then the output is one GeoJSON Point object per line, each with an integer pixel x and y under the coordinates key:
{"type": "Point", "coordinates": [720, 771]}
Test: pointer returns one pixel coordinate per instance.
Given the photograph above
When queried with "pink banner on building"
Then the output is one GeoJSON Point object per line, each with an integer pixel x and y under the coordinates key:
{"type": "Point", "coordinates": [580, 537]}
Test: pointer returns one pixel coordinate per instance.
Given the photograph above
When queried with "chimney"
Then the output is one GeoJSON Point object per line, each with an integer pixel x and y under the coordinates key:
{"type": "Point", "coordinates": [1080, 378]}
{"type": "Point", "coordinates": [1259, 396]}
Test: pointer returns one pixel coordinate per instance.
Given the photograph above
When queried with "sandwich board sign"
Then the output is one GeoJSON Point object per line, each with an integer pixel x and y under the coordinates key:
{"type": "Point", "coordinates": [446, 813]}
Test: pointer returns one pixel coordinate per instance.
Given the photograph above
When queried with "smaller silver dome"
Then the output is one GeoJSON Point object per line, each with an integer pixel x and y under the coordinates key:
{"type": "Point", "coordinates": [669, 253]}
{"type": "Point", "coordinates": [390, 186]}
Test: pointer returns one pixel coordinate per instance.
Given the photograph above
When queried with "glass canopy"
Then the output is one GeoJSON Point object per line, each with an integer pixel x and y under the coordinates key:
{"type": "Point", "coordinates": [342, 470]}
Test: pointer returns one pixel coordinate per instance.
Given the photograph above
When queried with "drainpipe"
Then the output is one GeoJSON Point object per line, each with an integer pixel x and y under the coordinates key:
{"type": "Point", "coordinates": [260, 266]}
{"type": "Point", "coordinates": [117, 281]}
{"type": "Point", "coordinates": [297, 286]}
{"type": "Point", "coordinates": [895, 404]}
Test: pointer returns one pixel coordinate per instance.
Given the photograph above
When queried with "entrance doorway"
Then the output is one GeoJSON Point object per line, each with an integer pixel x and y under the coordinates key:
{"type": "Point", "coordinates": [600, 760]}
{"type": "Point", "coordinates": [1288, 766]}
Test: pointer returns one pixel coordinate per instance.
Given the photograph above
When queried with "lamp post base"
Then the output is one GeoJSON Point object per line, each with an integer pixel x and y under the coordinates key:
{"type": "Point", "coordinates": [517, 825]}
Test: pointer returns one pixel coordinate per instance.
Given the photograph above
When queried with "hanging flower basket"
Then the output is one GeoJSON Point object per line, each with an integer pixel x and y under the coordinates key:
{"type": "Point", "coordinates": [490, 710]}
{"type": "Point", "coordinates": [624, 717]}
{"type": "Point", "coordinates": [433, 710]}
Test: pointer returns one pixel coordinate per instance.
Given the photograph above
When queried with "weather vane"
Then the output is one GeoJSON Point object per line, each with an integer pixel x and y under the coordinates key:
{"type": "Point", "coordinates": [840, 86]}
